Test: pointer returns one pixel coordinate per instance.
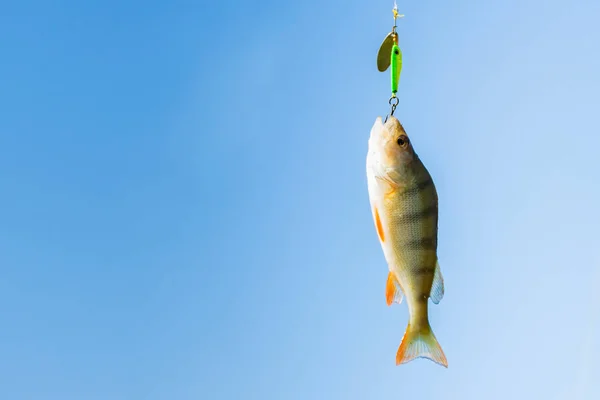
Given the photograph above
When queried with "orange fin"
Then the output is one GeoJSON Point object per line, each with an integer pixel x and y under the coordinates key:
{"type": "Point", "coordinates": [393, 291]}
{"type": "Point", "coordinates": [421, 343]}
{"type": "Point", "coordinates": [379, 226]}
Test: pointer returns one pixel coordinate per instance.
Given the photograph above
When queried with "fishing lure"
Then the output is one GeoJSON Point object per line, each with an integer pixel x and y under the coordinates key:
{"type": "Point", "coordinates": [390, 54]}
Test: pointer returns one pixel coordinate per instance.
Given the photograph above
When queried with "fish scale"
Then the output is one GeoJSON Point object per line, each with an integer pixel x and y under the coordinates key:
{"type": "Point", "coordinates": [414, 228]}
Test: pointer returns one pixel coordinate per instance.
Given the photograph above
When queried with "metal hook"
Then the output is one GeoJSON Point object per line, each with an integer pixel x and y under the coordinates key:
{"type": "Point", "coordinates": [393, 102]}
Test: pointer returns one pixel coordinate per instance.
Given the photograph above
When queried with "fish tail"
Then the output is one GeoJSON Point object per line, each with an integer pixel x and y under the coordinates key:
{"type": "Point", "coordinates": [420, 343]}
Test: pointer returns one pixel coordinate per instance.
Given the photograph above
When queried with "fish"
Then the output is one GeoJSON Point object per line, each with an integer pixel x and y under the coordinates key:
{"type": "Point", "coordinates": [404, 205]}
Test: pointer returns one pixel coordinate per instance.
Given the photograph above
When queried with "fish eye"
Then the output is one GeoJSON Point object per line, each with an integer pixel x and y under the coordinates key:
{"type": "Point", "coordinates": [402, 141]}
{"type": "Point", "coordinates": [395, 51]}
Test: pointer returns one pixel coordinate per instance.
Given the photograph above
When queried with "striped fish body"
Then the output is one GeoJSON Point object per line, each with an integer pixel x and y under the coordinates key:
{"type": "Point", "coordinates": [411, 213]}
{"type": "Point", "coordinates": [404, 204]}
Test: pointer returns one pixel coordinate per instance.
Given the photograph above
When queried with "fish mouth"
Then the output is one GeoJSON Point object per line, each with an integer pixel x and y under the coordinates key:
{"type": "Point", "coordinates": [393, 124]}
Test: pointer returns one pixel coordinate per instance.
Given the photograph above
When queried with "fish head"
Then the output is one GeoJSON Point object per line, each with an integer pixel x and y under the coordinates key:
{"type": "Point", "coordinates": [390, 150]}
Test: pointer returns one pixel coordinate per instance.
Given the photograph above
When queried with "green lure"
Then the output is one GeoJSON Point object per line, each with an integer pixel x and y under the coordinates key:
{"type": "Point", "coordinates": [396, 62]}
{"type": "Point", "coordinates": [390, 54]}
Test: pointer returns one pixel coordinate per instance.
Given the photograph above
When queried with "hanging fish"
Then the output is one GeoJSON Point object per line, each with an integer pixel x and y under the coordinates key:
{"type": "Point", "coordinates": [404, 205]}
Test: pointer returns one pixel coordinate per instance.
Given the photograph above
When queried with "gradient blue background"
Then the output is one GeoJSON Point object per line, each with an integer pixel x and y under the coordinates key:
{"type": "Point", "coordinates": [184, 211]}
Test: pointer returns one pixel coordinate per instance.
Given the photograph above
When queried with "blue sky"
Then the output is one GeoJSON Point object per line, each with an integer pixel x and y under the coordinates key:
{"type": "Point", "coordinates": [184, 210]}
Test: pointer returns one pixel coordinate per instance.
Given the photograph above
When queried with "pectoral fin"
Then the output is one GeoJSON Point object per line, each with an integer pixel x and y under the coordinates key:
{"type": "Point", "coordinates": [389, 180]}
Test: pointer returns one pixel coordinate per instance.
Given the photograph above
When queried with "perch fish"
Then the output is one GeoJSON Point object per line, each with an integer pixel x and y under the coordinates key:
{"type": "Point", "coordinates": [404, 205]}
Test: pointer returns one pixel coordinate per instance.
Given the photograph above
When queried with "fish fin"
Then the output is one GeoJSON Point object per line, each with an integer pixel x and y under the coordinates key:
{"type": "Point", "coordinates": [420, 343]}
{"type": "Point", "coordinates": [387, 180]}
{"type": "Point", "coordinates": [378, 225]}
{"type": "Point", "coordinates": [393, 291]}
{"type": "Point", "coordinates": [437, 288]}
